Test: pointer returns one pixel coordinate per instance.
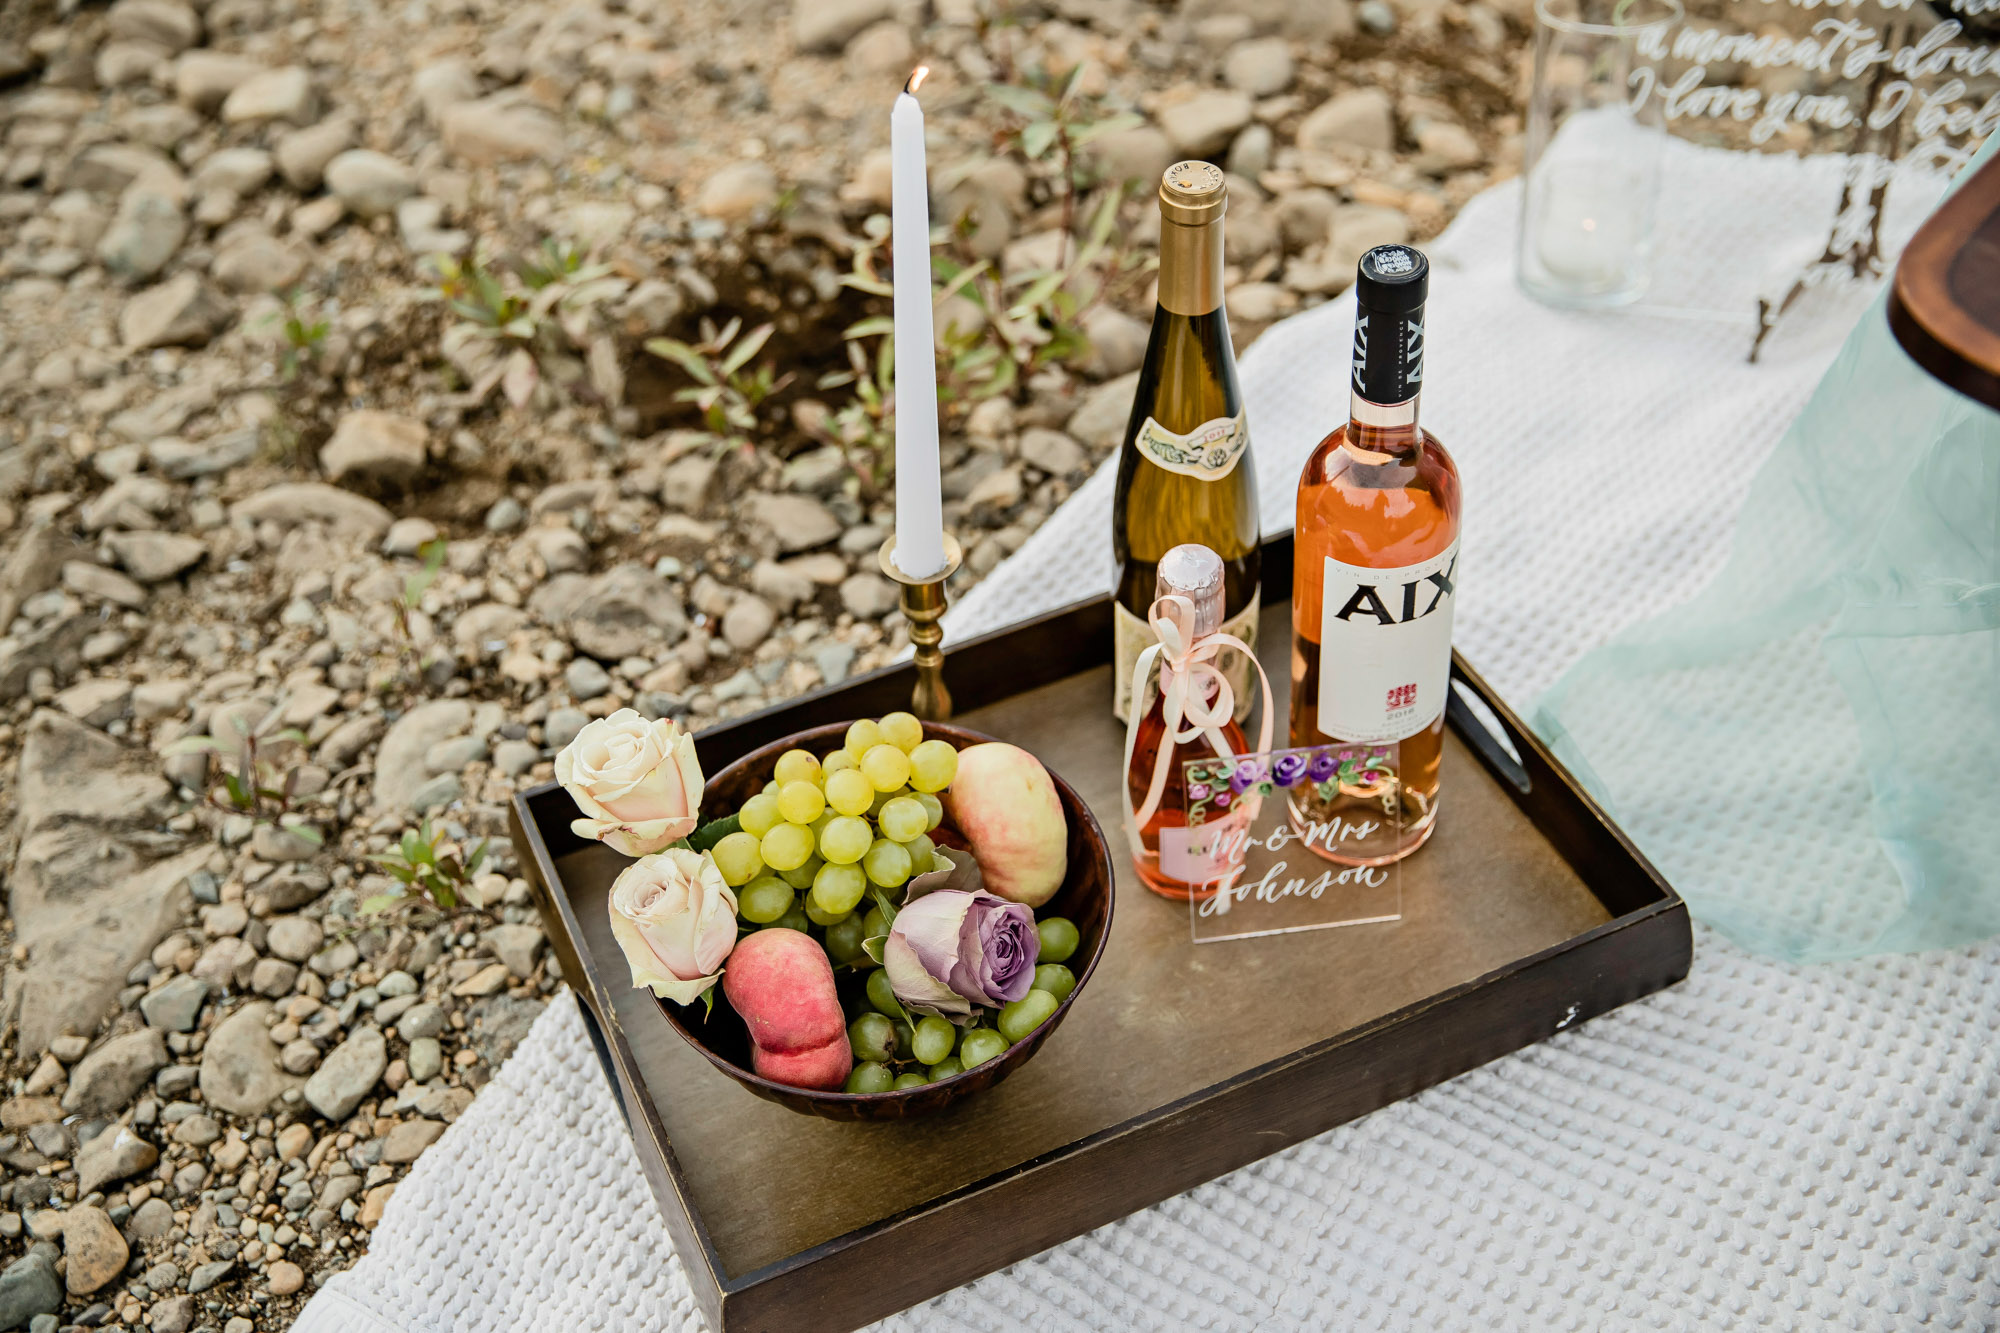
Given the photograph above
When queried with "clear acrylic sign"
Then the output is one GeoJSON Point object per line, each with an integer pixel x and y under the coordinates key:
{"type": "Point", "coordinates": [1257, 851]}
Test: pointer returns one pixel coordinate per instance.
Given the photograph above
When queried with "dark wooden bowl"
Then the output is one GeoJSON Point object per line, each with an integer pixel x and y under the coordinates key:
{"type": "Point", "coordinates": [1085, 898]}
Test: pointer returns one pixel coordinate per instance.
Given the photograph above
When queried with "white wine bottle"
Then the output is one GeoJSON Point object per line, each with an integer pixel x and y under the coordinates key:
{"type": "Point", "coordinates": [1185, 473]}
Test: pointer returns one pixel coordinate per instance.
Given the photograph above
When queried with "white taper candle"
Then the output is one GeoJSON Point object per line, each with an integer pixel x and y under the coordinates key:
{"type": "Point", "coordinates": [919, 495]}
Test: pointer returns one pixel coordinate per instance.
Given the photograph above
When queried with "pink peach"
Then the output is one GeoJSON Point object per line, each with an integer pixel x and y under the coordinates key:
{"type": "Point", "coordinates": [1005, 804]}
{"type": "Point", "coordinates": [825, 1067]}
{"type": "Point", "coordinates": [781, 983]}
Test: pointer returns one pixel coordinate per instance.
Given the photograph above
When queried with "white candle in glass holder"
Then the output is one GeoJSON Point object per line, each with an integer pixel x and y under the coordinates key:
{"type": "Point", "coordinates": [919, 495]}
{"type": "Point", "coordinates": [1589, 227]}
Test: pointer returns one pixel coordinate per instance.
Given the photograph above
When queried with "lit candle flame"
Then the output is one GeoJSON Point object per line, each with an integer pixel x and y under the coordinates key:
{"type": "Point", "coordinates": [916, 78]}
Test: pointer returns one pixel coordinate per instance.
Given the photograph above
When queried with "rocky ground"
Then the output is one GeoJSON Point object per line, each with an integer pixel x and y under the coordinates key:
{"type": "Point", "coordinates": [328, 432]}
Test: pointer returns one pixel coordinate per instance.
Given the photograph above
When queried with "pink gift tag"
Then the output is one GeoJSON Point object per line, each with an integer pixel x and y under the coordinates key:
{"type": "Point", "coordinates": [1204, 855]}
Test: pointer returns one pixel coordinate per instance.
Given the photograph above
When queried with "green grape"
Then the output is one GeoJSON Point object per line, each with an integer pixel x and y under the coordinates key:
{"type": "Point", "coordinates": [902, 730]}
{"type": "Point", "coordinates": [873, 1037]}
{"type": "Point", "coordinates": [933, 765]}
{"type": "Point", "coordinates": [874, 924]}
{"type": "Point", "coordinates": [795, 919]}
{"type": "Point", "coordinates": [979, 1046]}
{"type": "Point", "coordinates": [1056, 979]}
{"type": "Point", "coordinates": [902, 819]}
{"type": "Point", "coordinates": [870, 1077]}
{"type": "Point", "coordinates": [863, 736]}
{"type": "Point", "coordinates": [882, 995]}
{"type": "Point", "coordinates": [1024, 1015]}
{"type": "Point", "coordinates": [787, 847]}
{"type": "Point", "coordinates": [905, 1034]}
{"type": "Point", "coordinates": [836, 762]}
{"type": "Point", "coordinates": [886, 766]}
{"type": "Point", "coordinates": [802, 878]}
{"type": "Point", "coordinates": [819, 916]}
{"type": "Point", "coordinates": [838, 889]}
{"type": "Point", "coordinates": [945, 1068]}
{"type": "Point", "coordinates": [883, 798]}
{"type": "Point", "coordinates": [887, 863]}
{"type": "Point", "coordinates": [738, 858]}
{"type": "Point", "coordinates": [843, 938]}
{"type": "Point", "coordinates": [801, 802]}
{"type": "Point", "coordinates": [765, 899]}
{"type": "Point", "coordinates": [796, 766]}
{"type": "Point", "coordinates": [760, 815]}
{"type": "Point", "coordinates": [933, 809]}
{"type": "Point", "coordinates": [850, 792]}
{"type": "Point", "coordinates": [845, 840]}
{"type": "Point", "coordinates": [934, 1039]}
{"type": "Point", "coordinates": [1059, 939]}
{"type": "Point", "coordinates": [769, 789]}
{"type": "Point", "coordinates": [909, 1080]}
{"type": "Point", "coordinates": [923, 854]}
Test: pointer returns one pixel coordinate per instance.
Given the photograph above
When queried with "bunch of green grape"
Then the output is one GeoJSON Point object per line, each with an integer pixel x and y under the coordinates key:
{"type": "Point", "coordinates": [813, 842]}
{"type": "Point", "coordinates": [824, 829]}
{"type": "Point", "coordinates": [894, 1050]}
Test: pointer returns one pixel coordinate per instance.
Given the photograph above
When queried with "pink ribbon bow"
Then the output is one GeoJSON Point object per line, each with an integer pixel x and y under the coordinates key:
{"type": "Point", "coordinates": [1187, 675]}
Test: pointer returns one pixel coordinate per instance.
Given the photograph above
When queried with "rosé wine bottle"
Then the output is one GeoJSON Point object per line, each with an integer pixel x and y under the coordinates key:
{"type": "Point", "coordinates": [1374, 578]}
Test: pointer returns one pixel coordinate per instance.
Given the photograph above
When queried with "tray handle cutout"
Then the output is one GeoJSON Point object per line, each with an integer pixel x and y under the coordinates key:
{"type": "Point", "coordinates": [1484, 730]}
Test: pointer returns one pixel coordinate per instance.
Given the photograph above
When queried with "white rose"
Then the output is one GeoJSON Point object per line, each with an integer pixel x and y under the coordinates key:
{"type": "Point", "coordinates": [676, 921]}
{"type": "Point", "coordinates": [638, 783]}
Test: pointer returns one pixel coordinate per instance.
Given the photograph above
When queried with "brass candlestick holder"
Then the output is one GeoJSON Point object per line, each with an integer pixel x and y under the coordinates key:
{"type": "Point", "coordinates": [923, 606]}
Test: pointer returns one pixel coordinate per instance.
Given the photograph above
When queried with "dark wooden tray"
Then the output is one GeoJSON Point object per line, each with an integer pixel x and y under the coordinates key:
{"type": "Point", "coordinates": [1944, 305]}
{"type": "Point", "coordinates": [1528, 912]}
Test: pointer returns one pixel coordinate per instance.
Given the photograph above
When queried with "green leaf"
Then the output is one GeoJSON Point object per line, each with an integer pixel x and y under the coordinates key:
{"type": "Point", "coordinates": [194, 745]}
{"type": "Point", "coordinates": [752, 343]}
{"type": "Point", "coordinates": [869, 328]}
{"type": "Point", "coordinates": [1075, 79]}
{"type": "Point", "coordinates": [708, 1003]}
{"type": "Point", "coordinates": [1124, 120]}
{"type": "Point", "coordinates": [873, 947]}
{"type": "Point", "coordinates": [1037, 138]}
{"type": "Point", "coordinates": [1027, 102]}
{"type": "Point", "coordinates": [704, 838]}
{"type": "Point", "coordinates": [380, 903]}
{"type": "Point", "coordinates": [873, 286]}
{"type": "Point", "coordinates": [1038, 291]}
{"type": "Point", "coordinates": [678, 352]}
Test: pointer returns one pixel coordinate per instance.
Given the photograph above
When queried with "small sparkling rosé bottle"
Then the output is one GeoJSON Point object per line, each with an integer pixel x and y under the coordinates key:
{"type": "Point", "coordinates": [1196, 573]}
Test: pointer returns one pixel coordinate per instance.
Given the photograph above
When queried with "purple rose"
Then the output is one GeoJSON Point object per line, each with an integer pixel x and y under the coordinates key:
{"type": "Point", "coordinates": [1322, 767]}
{"type": "Point", "coordinates": [1222, 799]}
{"type": "Point", "coordinates": [1287, 768]}
{"type": "Point", "coordinates": [1245, 776]}
{"type": "Point", "coordinates": [1198, 792]}
{"type": "Point", "coordinates": [950, 950]}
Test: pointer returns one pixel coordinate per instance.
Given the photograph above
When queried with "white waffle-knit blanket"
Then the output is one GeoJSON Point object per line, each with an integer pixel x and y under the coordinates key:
{"type": "Point", "coordinates": [1762, 1147]}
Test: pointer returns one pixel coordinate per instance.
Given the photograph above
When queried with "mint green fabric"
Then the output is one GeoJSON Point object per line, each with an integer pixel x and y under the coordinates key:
{"type": "Point", "coordinates": [1832, 699]}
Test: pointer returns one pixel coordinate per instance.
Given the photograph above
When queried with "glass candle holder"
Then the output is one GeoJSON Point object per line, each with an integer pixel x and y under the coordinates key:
{"type": "Point", "coordinates": [1595, 136]}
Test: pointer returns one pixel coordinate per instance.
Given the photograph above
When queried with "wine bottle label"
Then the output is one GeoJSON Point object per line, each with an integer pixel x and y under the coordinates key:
{"type": "Point", "coordinates": [1209, 452]}
{"type": "Point", "coordinates": [1385, 648]}
{"type": "Point", "coordinates": [1131, 636]}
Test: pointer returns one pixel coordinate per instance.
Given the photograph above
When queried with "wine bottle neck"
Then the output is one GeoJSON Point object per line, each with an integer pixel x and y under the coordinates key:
{"type": "Point", "coordinates": [1383, 416]}
{"type": "Point", "coordinates": [1191, 266]}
